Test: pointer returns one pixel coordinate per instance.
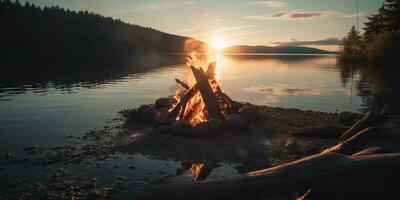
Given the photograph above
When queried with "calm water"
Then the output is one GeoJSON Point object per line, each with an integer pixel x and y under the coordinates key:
{"type": "Point", "coordinates": [45, 111]}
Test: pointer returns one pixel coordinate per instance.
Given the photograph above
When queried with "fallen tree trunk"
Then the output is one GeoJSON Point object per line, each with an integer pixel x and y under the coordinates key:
{"type": "Point", "coordinates": [338, 176]}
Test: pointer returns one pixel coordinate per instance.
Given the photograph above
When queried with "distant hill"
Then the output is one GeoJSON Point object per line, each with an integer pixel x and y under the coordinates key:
{"type": "Point", "coordinates": [277, 49]}
{"type": "Point", "coordinates": [28, 29]}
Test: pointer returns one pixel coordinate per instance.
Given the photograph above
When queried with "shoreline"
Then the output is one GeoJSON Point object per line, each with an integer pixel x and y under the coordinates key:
{"type": "Point", "coordinates": [263, 145]}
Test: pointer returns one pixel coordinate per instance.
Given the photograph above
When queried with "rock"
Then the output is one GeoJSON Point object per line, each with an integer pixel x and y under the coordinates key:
{"type": "Point", "coordinates": [158, 121]}
{"type": "Point", "coordinates": [250, 113]}
{"type": "Point", "coordinates": [163, 103]}
{"type": "Point", "coordinates": [162, 113]}
{"type": "Point", "coordinates": [147, 113]}
{"type": "Point", "coordinates": [237, 122]}
{"type": "Point", "coordinates": [182, 128]}
{"type": "Point", "coordinates": [346, 116]}
{"type": "Point", "coordinates": [291, 144]}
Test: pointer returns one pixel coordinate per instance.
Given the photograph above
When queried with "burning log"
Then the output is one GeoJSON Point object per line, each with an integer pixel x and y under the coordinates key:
{"type": "Point", "coordinates": [204, 100]}
{"type": "Point", "coordinates": [207, 94]}
{"type": "Point", "coordinates": [189, 94]}
{"type": "Point", "coordinates": [210, 73]}
{"type": "Point", "coordinates": [183, 84]}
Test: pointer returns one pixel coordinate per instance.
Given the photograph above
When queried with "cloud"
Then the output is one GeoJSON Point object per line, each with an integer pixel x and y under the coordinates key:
{"type": "Point", "coordinates": [327, 41]}
{"type": "Point", "coordinates": [296, 15]}
{"type": "Point", "coordinates": [270, 3]}
{"type": "Point", "coordinates": [155, 6]}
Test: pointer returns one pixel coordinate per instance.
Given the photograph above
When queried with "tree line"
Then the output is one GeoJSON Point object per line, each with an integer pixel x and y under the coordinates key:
{"type": "Point", "coordinates": [380, 42]}
{"type": "Point", "coordinates": [28, 30]}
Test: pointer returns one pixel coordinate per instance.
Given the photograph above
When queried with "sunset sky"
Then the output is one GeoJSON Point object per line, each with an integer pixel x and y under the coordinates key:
{"type": "Point", "coordinates": [274, 22]}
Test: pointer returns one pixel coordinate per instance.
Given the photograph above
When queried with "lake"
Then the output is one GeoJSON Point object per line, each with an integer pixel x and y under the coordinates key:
{"type": "Point", "coordinates": [44, 110]}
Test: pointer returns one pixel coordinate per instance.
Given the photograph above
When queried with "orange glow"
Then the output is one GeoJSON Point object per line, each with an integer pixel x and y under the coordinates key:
{"type": "Point", "coordinates": [219, 43]}
{"type": "Point", "coordinates": [195, 110]}
{"type": "Point", "coordinates": [196, 170]}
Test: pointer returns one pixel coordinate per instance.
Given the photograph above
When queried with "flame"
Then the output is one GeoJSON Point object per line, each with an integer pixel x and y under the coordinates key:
{"type": "Point", "coordinates": [196, 170]}
{"type": "Point", "coordinates": [195, 111]}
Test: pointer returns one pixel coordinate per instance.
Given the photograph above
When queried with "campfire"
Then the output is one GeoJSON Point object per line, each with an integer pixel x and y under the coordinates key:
{"type": "Point", "coordinates": [203, 99]}
{"type": "Point", "coordinates": [199, 108]}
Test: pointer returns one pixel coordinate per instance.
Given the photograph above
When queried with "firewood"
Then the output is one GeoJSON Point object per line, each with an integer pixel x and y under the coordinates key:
{"type": "Point", "coordinates": [210, 73]}
{"type": "Point", "coordinates": [336, 175]}
{"type": "Point", "coordinates": [224, 98]}
{"type": "Point", "coordinates": [207, 94]}
{"type": "Point", "coordinates": [183, 84]}
{"type": "Point", "coordinates": [193, 110]}
{"type": "Point", "coordinates": [188, 95]}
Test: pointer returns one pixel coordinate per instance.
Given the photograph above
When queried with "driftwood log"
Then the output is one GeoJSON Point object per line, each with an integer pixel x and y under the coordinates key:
{"type": "Point", "coordinates": [358, 126]}
{"type": "Point", "coordinates": [369, 119]}
{"type": "Point", "coordinates": [337, 176]}
{"type": "Point", "coordinates": [353, 144]}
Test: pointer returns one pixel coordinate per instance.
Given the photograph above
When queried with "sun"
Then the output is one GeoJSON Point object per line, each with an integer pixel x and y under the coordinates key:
{"type": "Point", "coordinates": [219, 43]}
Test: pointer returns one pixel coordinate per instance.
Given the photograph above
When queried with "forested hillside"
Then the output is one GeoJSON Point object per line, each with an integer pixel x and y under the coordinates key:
{"type": "Point", "coordinates": [28, 29]}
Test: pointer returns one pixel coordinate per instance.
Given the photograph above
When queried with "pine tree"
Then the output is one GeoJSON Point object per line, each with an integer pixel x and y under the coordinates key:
{"type": "Point", "coordinates": [375, 24]}
{"type": "Point", "coordinates": [351, 45]}
{"type": "Point", "coordinates": [393, 15]}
